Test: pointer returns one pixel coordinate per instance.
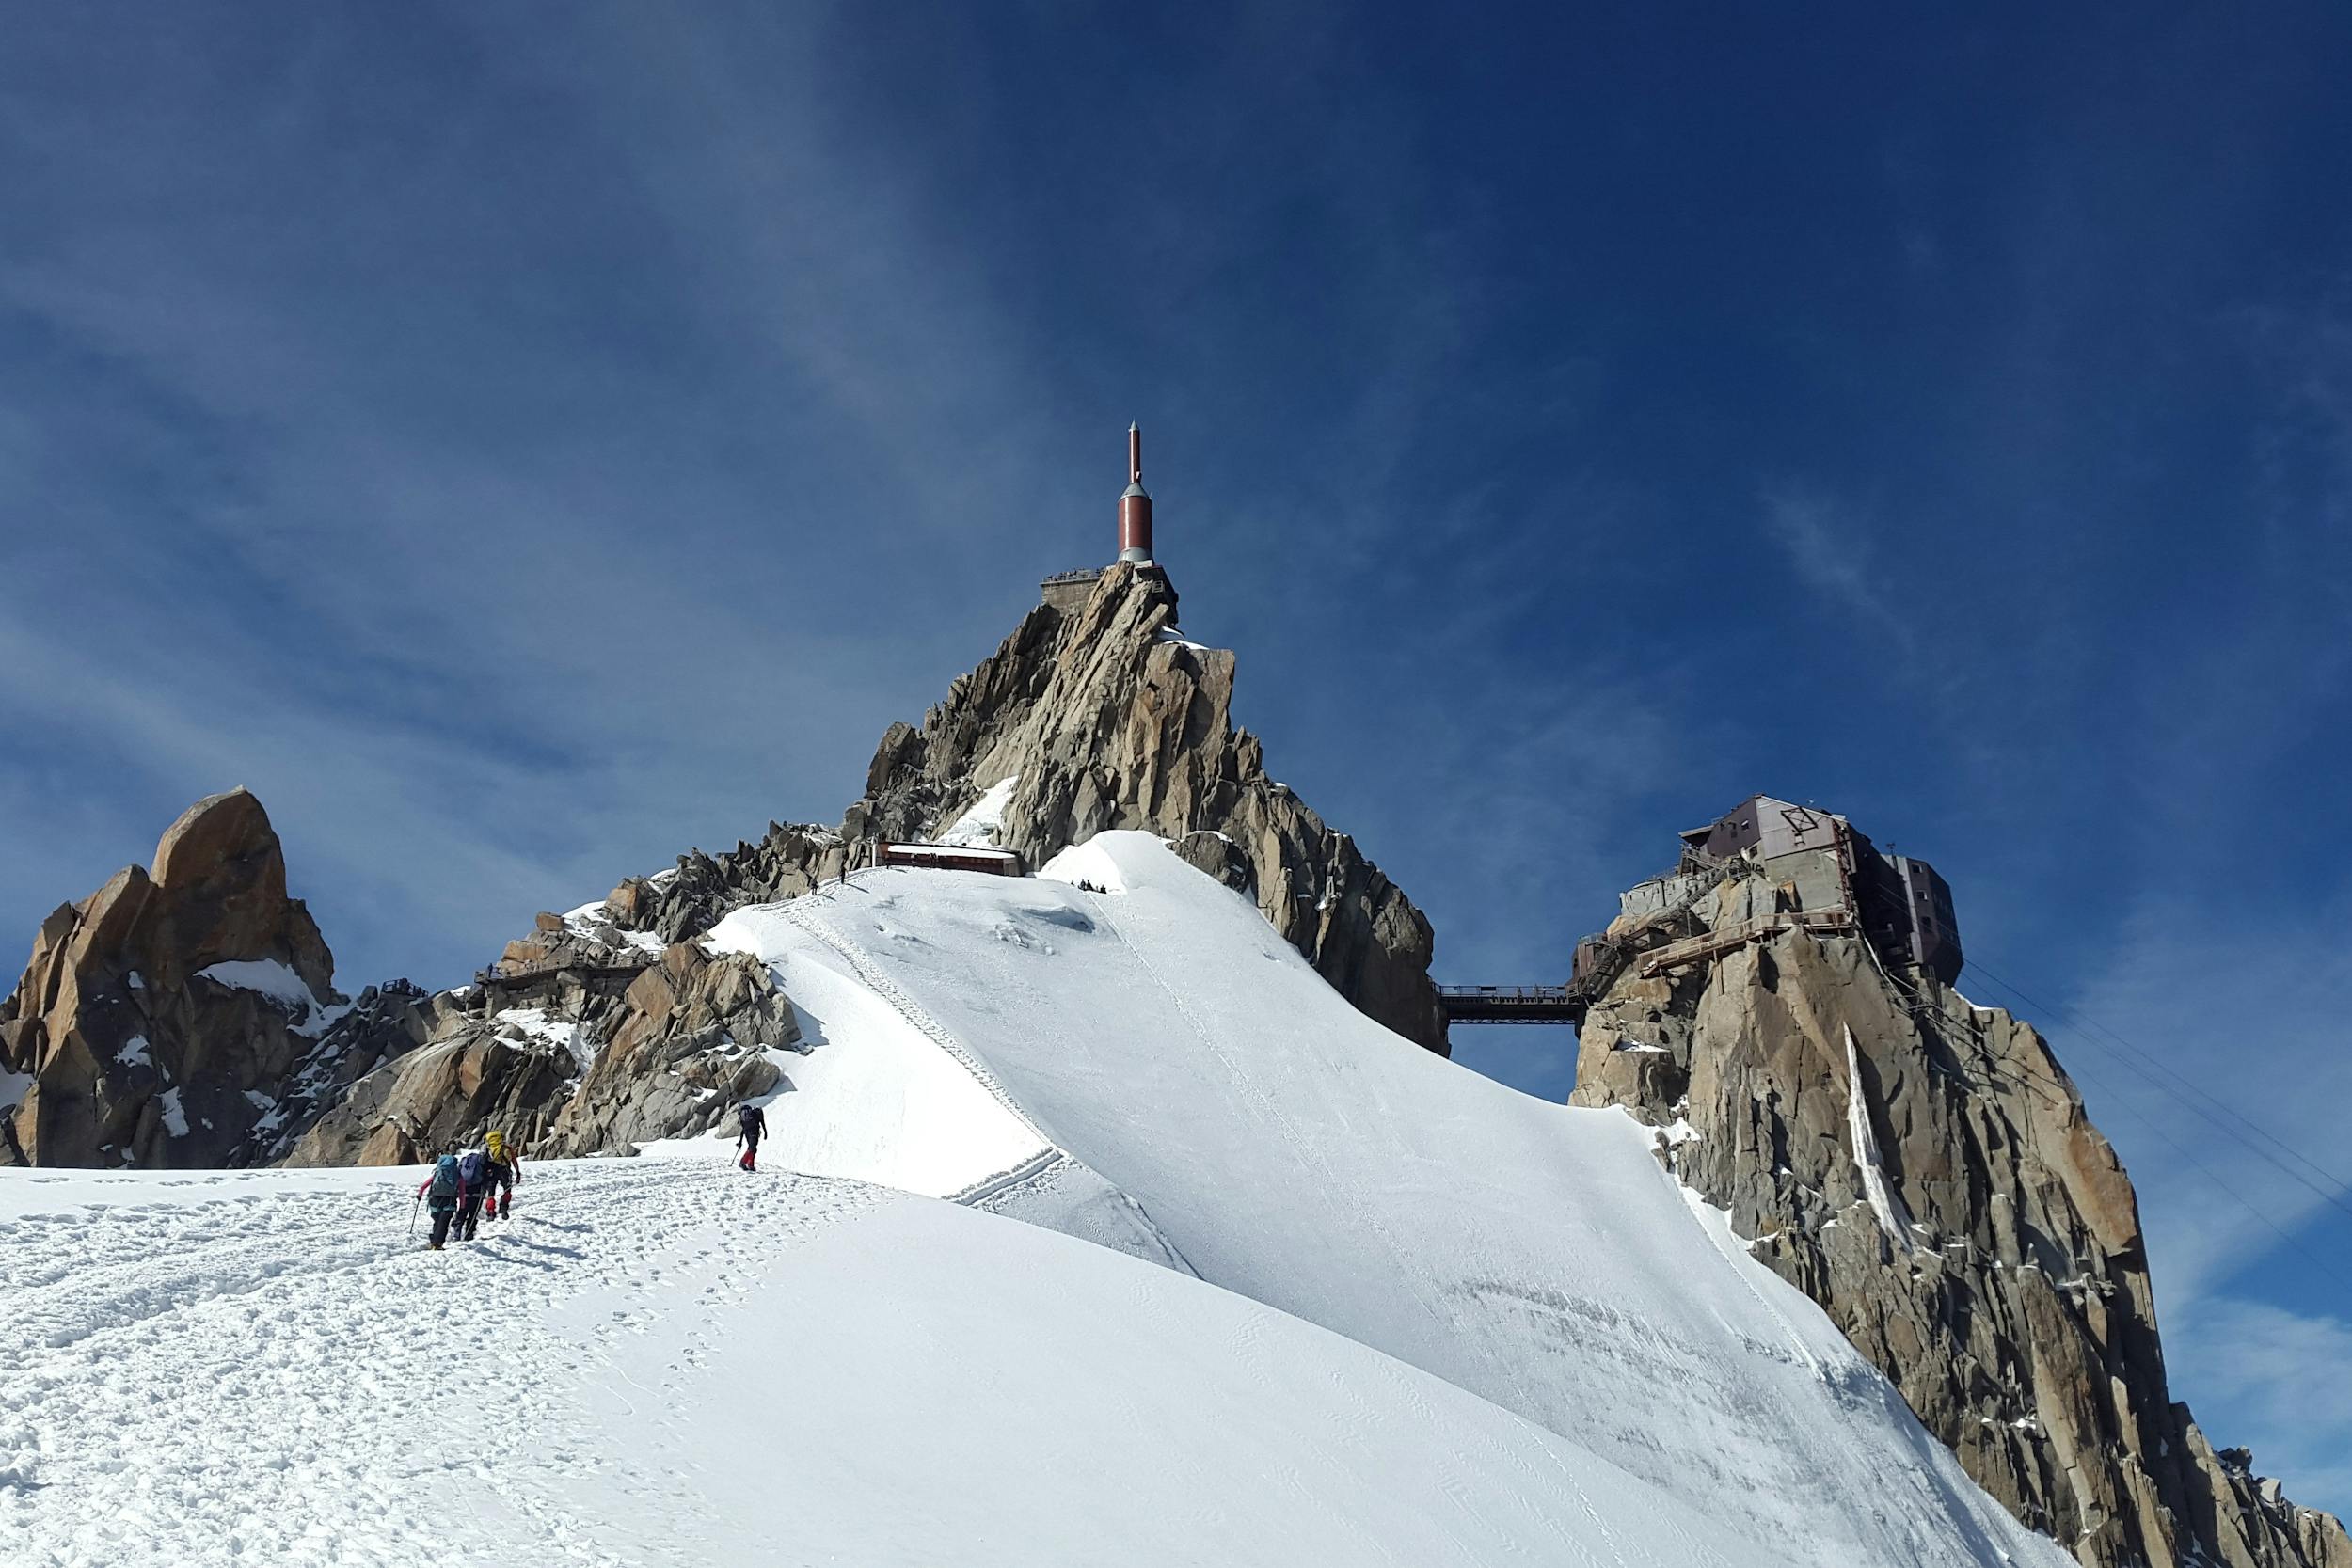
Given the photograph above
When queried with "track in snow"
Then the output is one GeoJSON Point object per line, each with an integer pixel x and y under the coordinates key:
{"type": "Point", "coordinates": [283, 1376]}
{"type": "Point", "coordinates": [667, 1364]}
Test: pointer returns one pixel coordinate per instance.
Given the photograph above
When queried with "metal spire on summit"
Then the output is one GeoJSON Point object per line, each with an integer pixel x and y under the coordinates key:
{"type": "Point", "coordinates": [1135, 505]}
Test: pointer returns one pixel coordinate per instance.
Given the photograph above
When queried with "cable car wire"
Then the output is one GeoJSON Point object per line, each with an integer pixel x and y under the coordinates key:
{"type": "Point", "coordinates": [2140, 1061]}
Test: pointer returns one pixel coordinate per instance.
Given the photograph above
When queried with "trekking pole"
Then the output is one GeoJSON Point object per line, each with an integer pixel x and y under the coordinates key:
{"type": "Point", "coordinates": [412, 1213]}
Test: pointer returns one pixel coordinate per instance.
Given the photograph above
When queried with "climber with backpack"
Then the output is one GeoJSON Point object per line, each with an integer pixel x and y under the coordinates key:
{"type": "Point", "coordinates": [474, 1178]}
{"type": "Point", "coordinates": [750, 1125]}
{"type": "Point", "coordinates": [440, 1193]}
{"type": "Point", "coordinates": [504, 1171]}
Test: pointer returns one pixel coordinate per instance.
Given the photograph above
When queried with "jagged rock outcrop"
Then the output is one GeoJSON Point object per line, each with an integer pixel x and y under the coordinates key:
{"type": "Point", "coordinates": [383, 1022]}
{"type": "Point", "coordinates": [441, 1098]}
{"type": "Point", "coordinates": [1105, 718]}
{"type": "Point", "coordinates": [695, 1033]}
{"type": "Point", "coordinates": [688, 899]}
{"type": "Point", "coordinates": [584, 1043]}
{"type": "Point", "coordinates": [1924, 1169]}
{"type": "Point", "coordinates": [160, 1018]}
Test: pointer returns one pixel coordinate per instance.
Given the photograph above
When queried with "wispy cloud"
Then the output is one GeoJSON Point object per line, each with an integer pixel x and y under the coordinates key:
{"type": "Point", "coordinates": [1830, 554]}
{"type": "Point", "coordinates": [2206, 1039]}
{"type": "Point", "coordinates": [489, 609]}
{"type": "Point", "coordinates": [2290, 1380]}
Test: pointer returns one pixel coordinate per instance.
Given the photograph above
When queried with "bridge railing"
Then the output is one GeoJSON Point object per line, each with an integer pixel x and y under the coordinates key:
{"type": "Point", "coordinates": [1533, 993]}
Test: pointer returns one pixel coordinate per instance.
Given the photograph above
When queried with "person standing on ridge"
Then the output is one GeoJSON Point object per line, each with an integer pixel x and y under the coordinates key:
{"type": "Point", "coordinates": [752, 1125]}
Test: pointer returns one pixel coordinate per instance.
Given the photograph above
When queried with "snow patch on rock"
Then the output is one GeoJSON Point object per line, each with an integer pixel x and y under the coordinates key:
{"type": "Point", "coordinates": [1887, 1204]}
{"type": "Point", "coordinates": [983, 825]}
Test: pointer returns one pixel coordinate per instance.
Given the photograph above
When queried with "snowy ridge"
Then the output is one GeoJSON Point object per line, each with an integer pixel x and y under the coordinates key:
{"type": "Point", "coordinates": [1172, 1045]}
{"type": "Point", "coordinates": [677, 1365]}
{"type": "Point", "coordinates": [885, 1095]}
{"type": "Point", "coordinates": [1013, 1168]}
{"type": "Point", "coordinates": [803, 913]}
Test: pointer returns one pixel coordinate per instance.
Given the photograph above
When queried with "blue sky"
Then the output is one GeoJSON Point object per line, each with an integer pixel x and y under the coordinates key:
{"type": "Point", "coordinates": [520, 454]}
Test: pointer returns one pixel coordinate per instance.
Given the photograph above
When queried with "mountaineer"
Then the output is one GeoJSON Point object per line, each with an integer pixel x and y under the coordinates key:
{"type": "Point", "coordinates": [440, 1192]}
{"type": "Point", "coordinates": [505, 1169]}
{"type": "Point", "coordinates": [752, 1125]}
{"type": "Point", "coordinates": [473, 1184]}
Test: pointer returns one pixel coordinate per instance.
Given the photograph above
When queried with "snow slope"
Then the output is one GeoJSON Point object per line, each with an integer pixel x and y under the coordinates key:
{"type": "Point", "coordinates": [1171, 1050]}
{"type": "Point", "coordinates": [664, 1362]}
{"type": "Point", "coordinates": [1435, 1322]}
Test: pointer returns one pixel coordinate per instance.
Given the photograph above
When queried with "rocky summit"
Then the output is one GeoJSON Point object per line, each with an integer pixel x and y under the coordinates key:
{"type": "Point", "coordinates": [1923, 1168]}
{"type": "Point", "coordinates": [1107, 717]}
{"type": "Point", "coordinates": [1093, 716]}
{"type": "Point", "coordinates": [162, 1019]}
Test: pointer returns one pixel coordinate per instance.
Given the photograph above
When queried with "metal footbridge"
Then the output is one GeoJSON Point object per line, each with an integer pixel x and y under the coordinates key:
{"type": "Point", "coordinates": [1511, 1005]}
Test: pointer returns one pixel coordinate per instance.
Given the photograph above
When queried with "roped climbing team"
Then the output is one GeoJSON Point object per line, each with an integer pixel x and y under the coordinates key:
{"type": "Point", "coordinates": [464, 1185]}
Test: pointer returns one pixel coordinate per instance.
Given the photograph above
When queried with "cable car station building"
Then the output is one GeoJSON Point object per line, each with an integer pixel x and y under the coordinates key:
{"type": "Point", "coordinates": [1825, 875]}
{"type": "Point", "coordinates": [1897, 901]}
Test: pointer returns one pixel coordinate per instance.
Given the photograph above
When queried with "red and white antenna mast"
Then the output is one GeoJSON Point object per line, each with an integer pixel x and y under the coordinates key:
{"type": "Point", "coordinates": [1135, 505]}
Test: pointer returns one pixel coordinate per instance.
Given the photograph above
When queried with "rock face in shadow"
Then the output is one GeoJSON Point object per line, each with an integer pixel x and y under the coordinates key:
{"type": "Point", "coordinates": [160, 1020]}
{"type": "Point", "coordinates": [1924, 1169]}
{"type": "Point", "coordinates": [439, 1098]}
{"type": "Point", "coordinates": [383, 1025]}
